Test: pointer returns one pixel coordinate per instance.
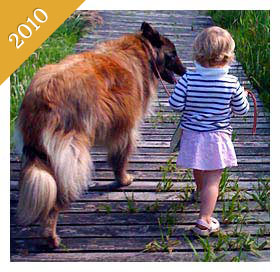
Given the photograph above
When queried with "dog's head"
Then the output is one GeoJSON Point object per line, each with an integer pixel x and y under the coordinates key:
{"type": "Point", "coordinates": [167, 59]}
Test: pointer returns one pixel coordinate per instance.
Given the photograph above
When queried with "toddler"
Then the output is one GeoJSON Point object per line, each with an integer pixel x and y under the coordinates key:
{"type": "Point", "coordinates": [207, 97]}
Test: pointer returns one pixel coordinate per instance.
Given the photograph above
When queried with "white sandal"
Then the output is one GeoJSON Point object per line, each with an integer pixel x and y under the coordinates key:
{"type": "Point", "coordinates": [213, 227]}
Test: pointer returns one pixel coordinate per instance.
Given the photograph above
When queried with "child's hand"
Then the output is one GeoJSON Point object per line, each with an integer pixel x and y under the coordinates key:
{"type": "Point", "coordinates": [245, 93]}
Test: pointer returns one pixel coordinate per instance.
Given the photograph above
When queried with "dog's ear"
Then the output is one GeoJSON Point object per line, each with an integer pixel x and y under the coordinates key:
{"type": "Point", "coordinates": [151, 34]}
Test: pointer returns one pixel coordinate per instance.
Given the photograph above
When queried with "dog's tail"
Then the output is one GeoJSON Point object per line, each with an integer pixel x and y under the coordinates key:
{"type": "Point", "coordinates": [53, 178]}
{"type": "Point", "coordinates": [38, 191]}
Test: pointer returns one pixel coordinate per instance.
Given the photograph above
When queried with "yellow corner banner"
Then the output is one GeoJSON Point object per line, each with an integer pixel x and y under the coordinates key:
{"type": "Point", "coordinates": [25, 25]}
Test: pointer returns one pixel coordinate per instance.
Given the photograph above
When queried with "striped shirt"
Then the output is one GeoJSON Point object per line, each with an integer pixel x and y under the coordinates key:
{"type": "Point", "coordinates": [207, 98]}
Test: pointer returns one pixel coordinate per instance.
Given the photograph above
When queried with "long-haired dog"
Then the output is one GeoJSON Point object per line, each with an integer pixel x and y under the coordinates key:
{"type": "Point", "coordinates": [94, 97]}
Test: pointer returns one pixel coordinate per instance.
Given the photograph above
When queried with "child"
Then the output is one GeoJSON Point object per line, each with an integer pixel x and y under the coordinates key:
{"type": "Point", "coordinates": [207, 97]}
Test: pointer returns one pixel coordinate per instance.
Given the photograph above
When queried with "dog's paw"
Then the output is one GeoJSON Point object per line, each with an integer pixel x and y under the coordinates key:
{"type": "Point", "coordinates": [126, 180]}
{"type": "Point", "coordinates": [54, 242]}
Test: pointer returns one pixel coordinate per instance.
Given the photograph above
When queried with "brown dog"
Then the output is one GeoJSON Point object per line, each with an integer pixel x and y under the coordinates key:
{"type": "Point", "coordinates": [93, 97]}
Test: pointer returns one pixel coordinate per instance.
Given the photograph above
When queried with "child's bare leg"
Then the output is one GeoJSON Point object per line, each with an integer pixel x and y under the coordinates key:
{"type": "Point", "coordinates": [198, 177]}
{"type": "Point", "coordinates": [209, 193]}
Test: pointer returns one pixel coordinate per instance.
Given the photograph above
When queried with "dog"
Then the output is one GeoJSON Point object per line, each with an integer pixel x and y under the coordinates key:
{"type": "Point", "coordinates": [95, 97]}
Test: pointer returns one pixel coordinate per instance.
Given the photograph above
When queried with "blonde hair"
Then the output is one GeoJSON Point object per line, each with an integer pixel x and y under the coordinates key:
{"type": "Point", "coordinates": [213, 46]}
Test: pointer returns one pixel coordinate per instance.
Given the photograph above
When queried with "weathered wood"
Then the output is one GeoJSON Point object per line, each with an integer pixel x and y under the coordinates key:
{"type": "Point", "coordinates": [157, 166]}
{"type": "Point", "coordinates": [132, 257]}
{"type": "Point", "coordinates": [147, 158]}
{"type": "Point", "coordinates": [93, 206]}
{"type": "Point", "coordinates": [151, 185]}
{"type": "Point", "coordinates": [117, 231]}
{"type": "Point", "coordinates": [142, 196]}
{"type": "Point", "coordinates": [144, 218]}
{"type": "Point", "coordinates": [117, 225]}
{"type": "Point", "coordinates": [144, 175]}
{"type": "Point", "coordinates": [136, 244]}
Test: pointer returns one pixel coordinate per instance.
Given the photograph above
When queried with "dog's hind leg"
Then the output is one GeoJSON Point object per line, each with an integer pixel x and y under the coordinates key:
{"type": "Point", "coordinates": [118, 159]}
{"type": "Point", "coordinates": [49, 228]}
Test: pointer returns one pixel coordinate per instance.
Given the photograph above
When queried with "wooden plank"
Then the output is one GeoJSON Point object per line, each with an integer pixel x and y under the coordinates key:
{"type": "Point", "coordinates": [151, 185]}
{"type": "Point", "coordinates": [136, 244]}
{"type": "Point", "coordinates": [174, 125]}
{"type": "Point", "coordinates": [117, 231]}
{"type": "Point", "coordinates": [147, 158]}
{"type": "Point", "coordinates": [132, 257]}
{"type": "Point", "coordinates": [95, 206]}
{"type": "Point", "coordinates": [157, 166]}
{"type": "Point", "coordinates": [144, 218]}
{"type": "Point", "coordinates": [144, 175]}
{"type": "Point", "coordinates": [169, 131]}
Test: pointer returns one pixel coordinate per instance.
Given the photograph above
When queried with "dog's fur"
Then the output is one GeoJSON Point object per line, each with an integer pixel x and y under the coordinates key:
{"type": "Point", "coordinates": [93, 97]}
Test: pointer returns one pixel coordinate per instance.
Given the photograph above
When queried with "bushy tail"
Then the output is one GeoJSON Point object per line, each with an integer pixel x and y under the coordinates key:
{"type": "Point", "coordinates": [70, 159]}
{"type": "Point", "coordinates": [42, 189]}
{"type": "Point", "coordinates": [38, 192]}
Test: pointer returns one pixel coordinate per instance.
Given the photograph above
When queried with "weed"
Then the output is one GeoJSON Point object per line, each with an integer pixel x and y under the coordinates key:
{"type": "Point", "coordinates": [262, 231]}
{"type": "Point", "coordinates": [261, 194]}
{"type": "Point", "coordinates": [106, 208]}
{"type": "Point", "coordinates": [63, 246]}
{"type": "Point", "coordinates": [175, 207]}
{"type": "Point", "coordinates": [165, 244]}
{"type": "Point", "coordinates": [209, 254]}
{"type": "Point", "coordinates": [166, 181]}
{"type": "Point", "coordinates": [240, 241]}
{"type": "Point", "coordinates": [189, 189]}
{"type": "Point", "coordinates": [222, 240]}
{"type": "Point", "coordinates": [131, 204]}
{"type": "Point", "coordinates": [170, 165]}
{"type": "Point", "coordinates": [235, 210]}
{"type": "Point", "coordinates": [169, 219]}
{"type": "Point", "coordinates": [186, 193]}
{"type": "Point", "coordinates": [196, 255]}
{"type": "Point", "coordinates": [223, 187]}
{"type": "Point", "coordinates": [184, 175]}
{"type": "Point", "coordinates": [153, 208]}
{"type": "Point", "coordinates": [165, 184]}
{"type": "Point", "coordinates": [233, 136]}
{"type": "Point", "coordinates": [245, 242]}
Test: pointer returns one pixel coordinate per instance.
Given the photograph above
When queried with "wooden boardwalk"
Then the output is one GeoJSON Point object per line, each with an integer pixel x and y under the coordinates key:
{"type": "Point", "coordinates": [150, 219]}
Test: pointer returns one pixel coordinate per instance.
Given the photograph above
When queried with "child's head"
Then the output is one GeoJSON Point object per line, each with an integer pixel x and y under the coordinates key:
{"type": "Point", "coordinates": [214, 46]}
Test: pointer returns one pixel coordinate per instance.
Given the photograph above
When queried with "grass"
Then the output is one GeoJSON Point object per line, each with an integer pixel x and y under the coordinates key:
{"type": "Point", "coordinates": [224, 183]}
{"type": "Point", "coordinates": [165, 243]}
{"type": "Point", "coordinates": [131, 204]}
{"type": "Point", "coordinates": [60, 44]}
{"type": "Point", "coordinates": [234, 242]}
{"type": "Point", "coordinates": [261, 194]}
{"type": "Point", "coordinates": [169, 172]}
{"type": "Point", "coordinates": [225, 243]}
{"type": "Point", "coordinates": [251, 32]}
{"type": "Point", "coordinates": [166, 183]}
{"type": "Point", "coordinates": [209, 254]}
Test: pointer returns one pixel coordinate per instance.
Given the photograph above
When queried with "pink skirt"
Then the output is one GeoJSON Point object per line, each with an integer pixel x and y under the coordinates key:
{"type": "Point", "coordinates": [206, 150]}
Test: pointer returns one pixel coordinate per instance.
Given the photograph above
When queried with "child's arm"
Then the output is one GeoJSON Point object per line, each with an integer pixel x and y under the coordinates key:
{"type": "Point", "coordinates": [178, 98]}
{"type": "Point", "coordinates": [239, 103]}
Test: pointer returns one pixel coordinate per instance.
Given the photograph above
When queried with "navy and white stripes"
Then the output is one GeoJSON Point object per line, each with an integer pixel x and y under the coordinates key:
{"type": "Point", "coordinates": [208, 97]}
